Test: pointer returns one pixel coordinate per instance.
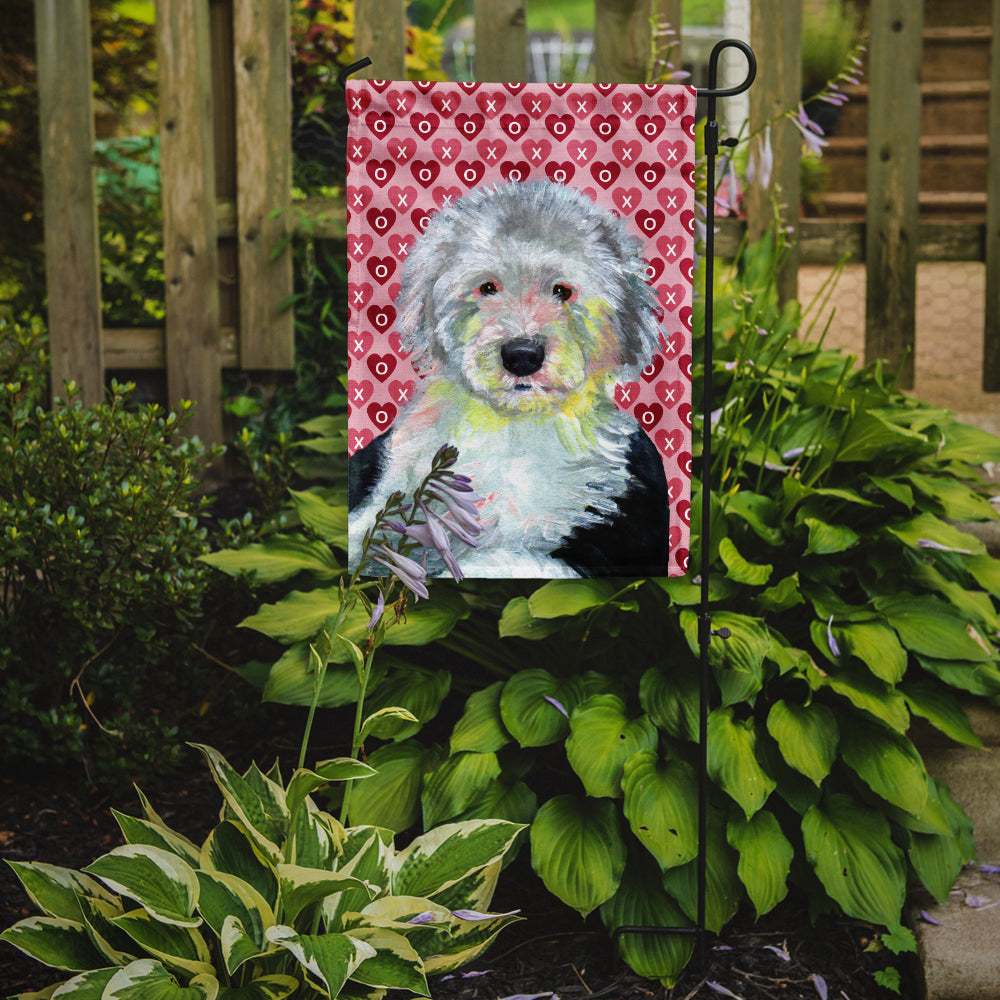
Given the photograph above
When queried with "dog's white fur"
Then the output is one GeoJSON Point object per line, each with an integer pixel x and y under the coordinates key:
{"type": "Point", "coordinates": [493, 269]}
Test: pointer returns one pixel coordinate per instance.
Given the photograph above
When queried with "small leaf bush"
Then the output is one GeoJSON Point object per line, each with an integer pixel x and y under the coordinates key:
{"type": "Point", "coordinates": [101, 584]}
{"type": "Point", "coordinates": [279, 900]}
{"type": "Point", "coordinates": [855, 603]}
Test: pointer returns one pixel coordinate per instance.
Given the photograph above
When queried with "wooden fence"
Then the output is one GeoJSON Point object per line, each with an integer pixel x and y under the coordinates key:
{"type": "Point", "coordinates": [226, 161]}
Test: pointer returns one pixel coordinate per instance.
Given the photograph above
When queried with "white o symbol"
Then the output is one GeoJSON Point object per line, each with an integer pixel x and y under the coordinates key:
{"type": "Point", "coordinates": [469, 127]}
{"type": "Point", "coordinates": [470, 175]}
{"type": "Point", "coordinates": [381, 417]}
{"type": "Point", "coordinates": [515, 128]}
{"type": "Point", "coordinates": [649, 370]}
{"type": "Point", "coordinates": [649, 272]}
{"type": "Point", "coordinates": [559, 176]}
{"type": "Point", "coordinates": [381, 174]}
{"type": "Point", "coordinates": [381, 271]}
{"type": "Point", "coordinates": [605, 176]}
{"type": "Point", "coordinates": [380, 125]}
{"type": "Point", "coordinates": [649, 128]}
{"type": "Point", "coordinates": [425, 174]}
{"type": "Point", "coordinates": [381, 222]}
{"type": "Point", "coordinates": [424, 221]}
{"type": "Point", "coordinates": [514, 175]}
{"type": "Point", "coordinates": [381, 320]}
{"type": "Point", "coordinates": [559, 128]}
{"type": "Point", "coordinates": [424, 127]}
{"type": "Point", "coordinates": [649, 176]}
{"type": "Point", "coordinates": [604, 128]}
{"type": "Point", "coordinates": [649, 225]}
{"type": "Point", "coordinates": [381, 369]}
{"type": "Point", "coordinates": [647, 418]}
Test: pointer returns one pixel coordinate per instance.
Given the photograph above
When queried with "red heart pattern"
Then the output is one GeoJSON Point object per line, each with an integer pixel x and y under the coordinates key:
{"type": "Point", "coordinates": [416, 148]}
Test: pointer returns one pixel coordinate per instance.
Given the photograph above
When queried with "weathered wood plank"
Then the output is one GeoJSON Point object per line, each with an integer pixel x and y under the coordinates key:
{"type": "Point", "coordinates": [893, 184]}
{"type": "Point", "coordinates": [380, 34]}
{"type": "Point", "coordinates": [144, 348]}
{"type": "Point", "coordinates": [262, 62]}
{"type": "Point", "coordinates": [501, 41]}
{"type": "Point", "coordinates": [666, 15]}
{"type": "Point", "coordinates": [190, 253]}
{"type": "Point", "coordinates": [991, 331]}
{"type": "Point", "coordinates": [776, 36]}
{"type": "Point", "coordinates": [72, 257]}
{"type": "Point", "coordinates": [621, 40]}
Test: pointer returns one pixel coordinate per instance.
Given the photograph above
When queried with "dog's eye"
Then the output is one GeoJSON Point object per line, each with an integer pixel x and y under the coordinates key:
{"type": "Point", "coordinates": [488, 288]}
{"type": "Point", "coordinates": [562, 292]}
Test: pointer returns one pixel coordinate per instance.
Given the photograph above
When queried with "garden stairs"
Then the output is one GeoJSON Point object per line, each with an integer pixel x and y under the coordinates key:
{"type": "Point", "coordinates": [955, 86]}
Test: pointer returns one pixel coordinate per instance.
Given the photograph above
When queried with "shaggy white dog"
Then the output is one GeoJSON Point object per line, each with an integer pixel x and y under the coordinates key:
{"type": "Point", "coordinates": [523, 304]}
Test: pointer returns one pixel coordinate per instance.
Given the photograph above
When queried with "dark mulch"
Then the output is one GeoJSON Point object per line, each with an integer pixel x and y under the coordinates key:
{"type": "Point", "coordinates": [550, 952]}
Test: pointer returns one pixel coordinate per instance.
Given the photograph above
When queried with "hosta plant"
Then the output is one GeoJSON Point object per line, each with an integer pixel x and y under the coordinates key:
{"type": "Point", "coordinates": [279, 900]}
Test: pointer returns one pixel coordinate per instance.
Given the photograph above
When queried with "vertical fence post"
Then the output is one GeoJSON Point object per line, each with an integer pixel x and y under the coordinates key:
{"type": "Point", "coordinates": [190, 251]}
{"type": "Point", "coordinates": [501, 41]}
{"type": "Point", "coordinates": [380, 34]}
{"type": "Point", "coordinates": [893, 183]}
{"type": "Point", "coordinates": [991, 332]}
{"type": "Point", "coordinates": [621, 40]}
{"type": "Point", "coordinates": [72, 256]}
{"type": "Point", "coordinates": [776, 34]}
{"type": "Point", "coordinates": [262, 62]}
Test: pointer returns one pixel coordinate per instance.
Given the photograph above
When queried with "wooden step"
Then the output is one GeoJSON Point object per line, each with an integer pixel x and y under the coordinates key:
{"type": "Point", "coordinates": [956, 53]}
{"type": "Point", "coordinates": [944, 104]}
{"type": "Point", "coordinates": [958, 206]}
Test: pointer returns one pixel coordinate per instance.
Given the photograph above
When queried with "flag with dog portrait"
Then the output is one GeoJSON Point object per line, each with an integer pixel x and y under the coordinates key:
{"type": "Point", "coordinates": [520, 269]}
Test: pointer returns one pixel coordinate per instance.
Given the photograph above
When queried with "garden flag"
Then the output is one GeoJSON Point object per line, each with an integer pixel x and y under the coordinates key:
{"type": "Point", "coordinates": [520, 270]}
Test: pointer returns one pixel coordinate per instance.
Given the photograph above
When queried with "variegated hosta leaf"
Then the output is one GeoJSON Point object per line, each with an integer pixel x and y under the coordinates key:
{"type": "Point", "coordinates": [642, 902]}
{"type": "Point", "coordinates": [456, 784]}
{"type": "Point", "coordinates": [765, 858]}
{"type": "Point", "coordinates": [395, 964]}
{"type": "Point", "coordinates": [54, 941]}
{"type": "Point", "coordinates": [304, 782]}
{"type": "Point", "coordinates": [888, 763]}
{"type": "Point", "coordinates": [578, 851]}
{"type": "Point", "coordinates": [329, 959]}
{"type": "Point", "coordinates": [475, 891]}
{"type": "Point", "coordinates": [177, 947]}
{"type": "Point", "coordinates": [850, 847]}
{"type": "Point", "coordinates": [807, 736]}
{"type": "Point", "coordinates": [315, 838]}
{"type": "Point", "coordinates": [535, 706]}
{"type": "Point", "coordinates": [230, 849]}
{"type": "Point", "coordinates": [602, 737]}
{"type": "Point", "coordinates": [732, 760]}
{"type": "Point", "coordinates": [225, 897]}
{"type": "Point", "coordinates": [86, 986]}
{"type": "Point", "coordinates": [481, 727]}
{"type": "Point", "coordinates": [367, 853]}
{"type": "Point", "coordinates": [147, 979]}
{"type": "Point", "coordinates": [300, 887]}
{"type": "Point", "coordinates": [441, 857]}
{"type": "Point", "coordinates": [466, 941]}
{"type": "Point", "coordinates": [274, 987]}
{"type": "Point", "coordinates": [141, 831]}
{"type": "Point", "coordinates": [661, 805]}
{"type": "Point", "coordinates": [158, 880]}
{"type": "Point", "coordinates": [56, 891]}
{"type": "Point", "coordinates": [98, 915]}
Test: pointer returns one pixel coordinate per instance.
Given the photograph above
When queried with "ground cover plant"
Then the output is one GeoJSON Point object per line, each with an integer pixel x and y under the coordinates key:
{"type": "Point", "coordinates": [854, 604]}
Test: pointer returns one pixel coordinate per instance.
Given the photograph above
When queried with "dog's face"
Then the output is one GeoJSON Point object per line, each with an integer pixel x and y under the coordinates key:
{"type": "Point", "coordinates": [528, 296]}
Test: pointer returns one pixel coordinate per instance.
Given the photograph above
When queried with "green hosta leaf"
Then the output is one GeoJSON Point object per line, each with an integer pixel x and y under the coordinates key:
{"type": "Point", "coordinates": [957, 501]}
{"type": "Point", "coordinates": [876, 646]}
{"type": "Point", "coordinates": [661, 806]}
{"type": "Point", "coordinates": [937, 859]}
{"type": "Point", "coordinates": [180, 948]}
{"type": "Point", "coordinates": [260, 809]}
{"type": "Point", "coordinates": [865, 692]}
{"type": "Point", "coordinates": [893, 488]}
{"type": "Point", "coordinates": [738, 661]}
{"type": "Point", "coordinates": [299, 615]}
{"type": "Point", "coordinates": [941, 709]}
{"type": "Point", "coordinates": [441, 857]}
{"type": "Point", "coordinates": [54, 941]}
{"type": "Point", "coordinates": [304, 782]}
{"type": "Point", "coordinates": [456, 784]}
{"type": "Point", "coordinates": [976, 678]}
{"type": "Point", "coordinates": [783, 595]}
{"type": "Point", "coordinates": [888, 763]}
{"type": "Point", "coordinates": [870, 435]}
{"type": "Point", "coordinates": [225, 897]}
{"type": "Point", "coordinates": [418, 691]}
{"type": "Point", "coordinates": [558, 598]}
{"type": "Point", "coordinates": [758, 511]}
{"type": "Point", "coordinates": [986, 572]}
{"type": "Point", "coordinates": [517, 620]}
{"type": "Point", "coordinates": [278, 558]}
{"type": "Point", "coordinates": [56, 891]}
{"type": "Point", "coordinates": [159, 881]}
{"type": "Point", "coordinates": [732, 760]}
{"type": "Point", "coordinates": [395, 964]}
{"type": "Point", "coordinates": [330, 959]}
{"type": "Point", "coordinates": [602, 738]}
{"type": "Point", "coordinates": [928, 528]}
{"type": "Point", "coordinates": [327, 520]}
{"type": "Point", "coordinates": [147, 979]}
{"type": "Point", "coordinates": [530, 706]}
{"type": "Point", "coordinates": [516, 803]}
{"type": "Point", "coordinates": [386, 723]}
{"type": "Point", "coordinates": [274, 987]}
{"type": "Point", "coordinates": [641, 901]}
{"type": "Point", "coordinates": [578, 851]}
{"type": "Point", "coordinates": [481, 728]}
{"type": "Point", "coordinates": [850, 847]}
{"type": "Point", "coordinates": [765, 858]}
{"type": "Point", "coordinates": [807, 736]}
{"type": "Point", "coordinates": [291, 680]}
{"type": "Point", "coordinates": [671, 700]}
{"type": "Point", "coordinates": [738, 569]}
{"type": "Point", "coordinates": [391, 798]}
{"type": "Point", "coordinates": [723, 889]}
{"type": "Point", "coordinates": [141, 831]}
{"type": "Point", "coordinates": [828, 539]}
{"type": "Point", "coordinates": [932, 628]}
{"type": "Point", "coordinates": [301, 887]}
{"type": "Point", "coordinates": [975, 605]}
{"type": "Point", "coordinates": [230, 849]}
{"type": "Point", "coordinates": [965, 443]}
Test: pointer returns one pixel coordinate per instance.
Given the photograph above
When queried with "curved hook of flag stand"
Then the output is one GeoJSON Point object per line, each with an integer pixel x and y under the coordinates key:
{"type": "Point", "coordinates": [705, 631]}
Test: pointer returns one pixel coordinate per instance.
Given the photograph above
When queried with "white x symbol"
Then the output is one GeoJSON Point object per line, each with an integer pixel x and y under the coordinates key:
{"type": "Point", "coordinates": [359, 394]}
{"type": "Point", "coordinates": [626, 153]}
{"type": "Point", "coordinates": [626, 201]}
{"type": "Point", "coordinates": [404, 250]}
{"type": "Point", "coordinates": [671, 201]}
{"type": "Point", "coordinates": [403, 395]}
{"type": "Point", "coordinates": [446, 152]}
{"type": "Point", "coordinates": [356, 103]}
{"type": "Point", "coordinates": [671, 155]}
{"type": "Point", "coordinates": [491, 153]}
{"type": "Point", "coordinates": [359, 347]}
{"type": "Point", "coordinates": [358, 251]}
{"type": "Point", "coordinates": [359, 199]}
{"type": "Point", "coordinates": [669, 393]}
{"type": "Point", "coordinates": [357, 154]}
{"type": "Point", "coordinates": [445, 105]}
{"type": "Point", "coordinates": [671, 348]}
{"type": "Point", "coordinates": [402, 199]}
{"type": "Point", "coordinates": [536, 153]}
{"type": "Point", "coordinates": [626, 395]}
{"type": "Point", "coordinates": [581, 107]}
{"type": "Point", "coordinates": [446, 201]}
{"type": "Point", "coordinates": [401, 104]}
{"type": "Point", "coordinates": [536, 107]}
{"type": "Point", "coordinates": [358, 442]}
{"type": "Point", "coordinates": [491, 104]}
{"type": "Point", "coordinates": [401, 153]}
{"type": "Point", "coordinates": [672, 107]}
{"type": "Point", "coordinates": [581, 154]}
{"type": "Point", "coordinates": [359, 296]}
{"type": "Point", "coordinates": [670, 298]}
{"type": "Point", "coordinates": [626, 107]}
{"type": "Point", "coordinates": [671, 250]}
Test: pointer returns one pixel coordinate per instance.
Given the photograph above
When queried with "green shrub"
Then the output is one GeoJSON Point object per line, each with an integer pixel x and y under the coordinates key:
{"type": "Point", "coordinates": [99, 542]}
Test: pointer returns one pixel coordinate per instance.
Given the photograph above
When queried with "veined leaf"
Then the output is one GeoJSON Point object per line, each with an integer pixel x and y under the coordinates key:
{"type": "Point", "coordinates": [876, 646]}
{"type": "Point", "coordinates": [739, 569]}
{"type": "Point", "coordinates": [732, 761]}
{"type": "Point", "coordinates": [758, 511]}
{"type": "Point", "coordinates": [517, 620]}
{"type": "Point", "coordinates": [866, 692]}
{"type": "Point", "coordinates": [147, 979]}
{"type": "Point", "coordinates": [54, 941]}
{"type": "Point", "coordinates": [274, 987]}
{"type": "Point", "coordinates": [141, 831]}
{"type": "Point", "coordinates": [888, 763]}
{"type": "Point", "coordinates": [578, 851]}
{"type": "Point", "coordinates": [86, 986]}
{"type": "Point", "coordinates": [931, 628]}
{"type": "Point", "coordinates": [417, 690]}
{"type": "Point", "coordinates": [395, 964]}
{"type": "Point", "coordinates": [327, 520]}
{"type": "Point", "coordinates": [230, 849]}
{"type": "Point", "coordinates": [225, 897]}
{"type": "Point", "coordinates": [481, 728]}
{"type": "Point", "coordinates": [936, 704]}
{"type": "Point", "coordinates": [850, 847]}
{"type": "Point", "coordinates": [177, 947]}
{"type": "Point", "coordinates": [957, 501]}
{"type": "Point", "coordinates": [456, 784]}
{"type": "Point", "coordinates": [783, 595]}
{"type": "Point", "coordinates": [559, 598]}
{"type": "Point", "coordinates": [56, 891]}
{"type": "Point", "coordinates": [601, 739]}
{"type": "Point", "coordinates": [301, 887]}
{"type": "Point", "coordinates": [927, 527]}
{"type": "Point", "coordinates": [765, 858]}
{"type": "Point", "coordinates": [661, 799]}
{"type": "Point", "coordinates": [807, 736]}
{"type": "Point", "coordinates": [827, 539]}
{"type": "Point", "coordinates": [530, 706]}
{"type": "Point", "coordinates": [870, 435]}
{"type": "Point", "coordinates": [671, 701]}
{"type": "Point", "coordinates": [738, 661]}
{"type": "Point", "coordinates": [330, 959]}
{"type": "Point", "coordinates": [391, 798]}
{"type": "Point", "coordinates": [976, 678]}
{"type": "Point", "coordinates": [279, 558]}
{"type": "Point", "coordinates": [304, 782]}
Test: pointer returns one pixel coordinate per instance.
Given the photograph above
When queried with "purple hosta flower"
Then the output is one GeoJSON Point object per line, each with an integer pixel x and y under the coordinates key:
{"type": "Point", "coordinates": [927, 543]}
{"type": "Point", "coordinates": [730, 201]}
{"type": "Point", "coordinates": [475, 915]}
{"type": "Point", "coordinates": [719, 988]}
{"type": "Point", "coordinates": [461, 503]}
{"type": "Point", "coordinates": [558, 705]}
{"type": "Point", "coordinates": [377, 611]}
{"type": "Point", "coordinates": [812, 134]}
{"type": "Point", "coordinates": [820, 983]}
{"type": "Point", "coordinates": [834, 648]}
{"type": "Point", "coordinates": [431, 535]}
{"type": "Point", "coordinates": [410, 573]}
{"type": "Point", "coordinates": [761, 162]}
{"type": "Point", "coordinates": [427, 917]}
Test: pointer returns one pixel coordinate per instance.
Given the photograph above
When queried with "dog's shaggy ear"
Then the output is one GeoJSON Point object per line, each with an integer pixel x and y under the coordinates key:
{"type": "Point", "coordinates": [415, 319]}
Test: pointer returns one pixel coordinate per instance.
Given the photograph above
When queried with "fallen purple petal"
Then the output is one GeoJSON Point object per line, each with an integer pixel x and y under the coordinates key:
{"type": "Point", "coordinates": [834, 648]}
{"type": "Point", "coordinates": [927, 918]}
{"type": "Point", "coordinates": [780, 952]}
{"type": "Point", "coordinates": [990, 869]}
{"type": "Point", "coordinates": [719, 988]}
{"type": "Point", "coordinates": [820, 983]}
{"type": "Point", "coordinates": [428, 916]}
{"type": "Point", "coordinates": [927, 543]}
{"type": "Point", "coordinates": [974, 901]}
{"type": "Point", "coordinates": [476, 915]}
{"type": "Point", "coordinates": [531, 996]}
{"type": "Point", "coordinates": [552, 701]}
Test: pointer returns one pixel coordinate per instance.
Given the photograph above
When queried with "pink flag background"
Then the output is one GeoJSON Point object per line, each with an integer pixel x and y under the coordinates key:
{"type": "Point", "coordinates": [414, 148]}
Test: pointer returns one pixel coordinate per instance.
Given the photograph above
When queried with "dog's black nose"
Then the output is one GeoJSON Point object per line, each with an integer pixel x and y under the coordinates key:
{"type": "Point", "coordinates": [522, 357]}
